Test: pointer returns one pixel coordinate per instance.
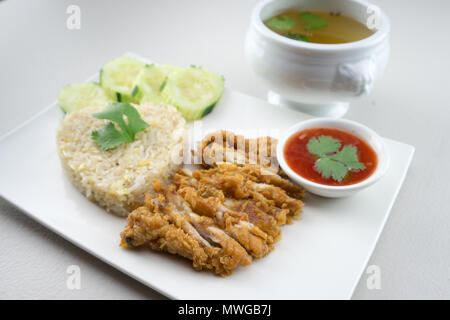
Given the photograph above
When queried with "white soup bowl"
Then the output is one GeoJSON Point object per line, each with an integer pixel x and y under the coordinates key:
{"type": "Point", "coordinates": [319, 79]}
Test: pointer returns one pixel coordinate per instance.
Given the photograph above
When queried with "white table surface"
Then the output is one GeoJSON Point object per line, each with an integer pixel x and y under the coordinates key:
{"type": "Point", "coordinates": [410, 103]}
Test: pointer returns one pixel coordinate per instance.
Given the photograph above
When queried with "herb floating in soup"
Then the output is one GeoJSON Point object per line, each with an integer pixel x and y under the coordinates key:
{"type": "Point", "coordinates": [318, 26]}
{"type": "Point", "coordinates": [330, 156]}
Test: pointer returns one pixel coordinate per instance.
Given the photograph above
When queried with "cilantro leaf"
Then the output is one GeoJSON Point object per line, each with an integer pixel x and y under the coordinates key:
{"type": "Point", "coordinates": [331, 168]}
{"type": "Point", "coordinates": [349, 157]}
{"type": "Point", "coordinates": [110, 137]}
{"type": "Point", "coordinates": [281, 23]}
{"type": "Point", "coordinates": [323, 145]}
{"type": "Point", "coordinates": [296, 36]}
{"type": "Point", "coordinates": [313, 20]}
{"type": "Point", "coordinates": [309, 17]}
{"type": "Point", "coordinates": [333, 163]}
{"type": "Point", "coordinates": [315, 25]}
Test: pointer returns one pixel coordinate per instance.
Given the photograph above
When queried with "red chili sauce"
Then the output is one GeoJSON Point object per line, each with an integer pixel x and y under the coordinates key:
{"type": "Point", "coordinates": [302, 162]}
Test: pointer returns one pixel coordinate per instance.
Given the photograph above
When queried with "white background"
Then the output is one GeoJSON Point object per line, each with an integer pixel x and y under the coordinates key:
{"type": "Point", "coordinates": [410, 103]}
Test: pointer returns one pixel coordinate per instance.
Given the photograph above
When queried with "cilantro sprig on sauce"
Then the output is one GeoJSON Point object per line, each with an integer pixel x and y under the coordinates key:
{"type": "Point", "coordinates": [331, 162]}
{"type": "Point", "coordinates": [125, 124]}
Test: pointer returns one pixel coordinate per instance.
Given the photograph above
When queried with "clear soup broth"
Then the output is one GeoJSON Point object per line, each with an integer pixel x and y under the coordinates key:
{"type": "Point", "coordinates": [318, 26]}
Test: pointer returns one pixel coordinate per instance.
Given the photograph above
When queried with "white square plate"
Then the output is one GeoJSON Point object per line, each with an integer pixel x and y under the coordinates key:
{"type": "Point", "coordinates": [321, 256]}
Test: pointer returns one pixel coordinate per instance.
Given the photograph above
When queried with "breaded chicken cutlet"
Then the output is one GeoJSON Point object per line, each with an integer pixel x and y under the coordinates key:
{"type": "Point", "coordinates": [219, 218]}
{"type": "Point", "coordinates": [225, 146]}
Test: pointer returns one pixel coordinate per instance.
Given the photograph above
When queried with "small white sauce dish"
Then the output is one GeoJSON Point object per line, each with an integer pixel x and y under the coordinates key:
{"type": "Point", "coordinates": [372, 138]}
{"type": "Point", "coordinates": [319, 79]}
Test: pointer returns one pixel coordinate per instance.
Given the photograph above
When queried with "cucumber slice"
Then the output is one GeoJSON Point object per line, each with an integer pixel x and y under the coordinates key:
{"type": "Point", "coordinates": [152, 98]}
{"type": "Point", "coordinates": [118, 77]}
{"type": "Point", "coordinates": [194, 91]}
{"type": "Point", "coordinates": [149, 82]}
{"type": "Point", "coordinates": [79, 95]}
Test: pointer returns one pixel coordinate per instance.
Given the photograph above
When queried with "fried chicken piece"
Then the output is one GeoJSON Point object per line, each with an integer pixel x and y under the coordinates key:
{"type": "Point", "coordinates": [159, 233]}
{"type": "Point", "coordinates": [221, 217]}
{"type": "Point", "coordinates": [217, 153]}
{"type": "Point", "coordinates": [174, 228]}
{"type": "Point", "coordinates": [266, 196]}
{"type": "Point", "coordinates": [232, 253]}
{"type": "Point", "coordinates": [269, 207]}
{"type": "Point", "coordinates": [225, 146]}
{"type": "Point", "coordinates": [209, 206]}
{"type": "Point", "coordinates": [262, 145]}
{"type": "Point", "coordinates": [259, 218]}
{"type": "Point", "coordinates": [184, 178]}
{"type": "Point", "coordinates": [191, 189]}
{"type": "Point", "coordinates": [256, 174]}
{"type": "Point", "coordinates": [280, 198]}
{"type": "Point", "coordinates": [235, 223]}
{"type": "Point", "coordinates": [254, 158]}
{"type": "Point", "coordinates": [251, 238]}
{"type": "Point", "coordinates": [233, 184]}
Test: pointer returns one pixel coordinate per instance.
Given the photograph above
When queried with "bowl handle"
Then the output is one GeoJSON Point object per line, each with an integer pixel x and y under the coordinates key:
{"type": "Point", "coordinates": [356, 77]}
